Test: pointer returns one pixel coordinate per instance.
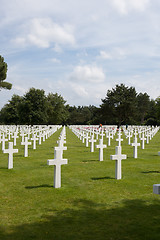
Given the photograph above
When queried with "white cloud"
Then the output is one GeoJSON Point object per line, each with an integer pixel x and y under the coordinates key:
{"type": "Point", "coordinates": [88, 74]}
{"type": "Point", "coordinates": [116, 53]}
{"type": "Point", "coordinates": [43, 32]}
{"type": "Point", "coordinates": [124, 6]}
{"type": "Point", "coordinates": [55, 60]}
{"type": "Point", "coordinates": [20, 89]}
{"type": "Point", "coordinates": [105, 55]}
{"type": "Point", "coordinates": [57, 48]}
{"type": "Point", "coordinates": [79, 90]}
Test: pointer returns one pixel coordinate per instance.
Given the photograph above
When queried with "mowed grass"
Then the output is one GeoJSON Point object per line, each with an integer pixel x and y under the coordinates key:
{"type": "Point", "coordinates": [91, 204]}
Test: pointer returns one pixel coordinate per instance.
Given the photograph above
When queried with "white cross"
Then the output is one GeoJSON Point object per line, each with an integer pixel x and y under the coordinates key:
{"type": "Point", "coordinates": [118, 157]}
{"type": "Point", "coordinates": [135, 145]}
{"type": "Point", "coordinates": [129, 137]}
{"type": "Point", "coordinates": [148, 136]}
{"type": "Point", "coordinates": [22, 135]}
{"type": "Point", "coordinates": [15, 138]}
{"type": "Point", "coordinates": [34, 138]}
{"type": "Point", "coordinates": [119, 139]}
{"type": "Point", "coordinates": [26, 143]}
{"type": "Point", "coordinates": [9, 135]}
{"type": "Point", "coordinates": [143, 140]}
{"type": "Point", "coordinates": [97, 133]}
{"type": "Point", "coordinates": [87, 139]}
{"type": "Point", "coordinates": [102, 134]}
{"type": "Point", "coordinates": [3, 140]}
{"type": "Point", "coordinates": [92, 140]}
{"type": "Point", "coordinates": [109, 138]}
{"type": "Point", "coordinates": [40, 138]}
{"type": "Point", "coordinates": [57, 162]}
{"type": "Point", "coordinates": [101, 146]}
{"type": "Point", "coordinates": [10, 152]}
{"type": "Point", "coordinates": [83, 136]}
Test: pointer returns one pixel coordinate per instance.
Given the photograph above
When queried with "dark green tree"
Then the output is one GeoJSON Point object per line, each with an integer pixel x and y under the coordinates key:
{"type": "Point", "coordinates": [33, 108]}
{"type": "Point", "coordinates": [9, 114]}
{"type": "Point", "coordinates": [142, 106]}
{"type": "Point", "coordinates": [119, 105]}
{"type": "Point", "coordinates": [82, 115]}
{"type": "Point", "coordinates": [157, 108]}
{"type": "Point", "coordinates": [151, 116]}
{"type": "Point", "coordinates": [3, 75]}
{"type": "Point", "coordinates": [57, 111]}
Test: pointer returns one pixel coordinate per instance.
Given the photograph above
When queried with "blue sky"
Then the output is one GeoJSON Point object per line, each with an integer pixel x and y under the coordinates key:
{"type": "Point", "coordinates": [80, 49]}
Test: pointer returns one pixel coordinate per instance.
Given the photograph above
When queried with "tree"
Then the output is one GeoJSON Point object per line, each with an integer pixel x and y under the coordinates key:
{"type": "Point", "coordinates": [10, 112]}
{"type": "Point", "coordinates": [142, 106]}
{"type": "Point", "coordinates": [119, 105]}
{"type": "Point", "coordinates": [33, 108]}
{"type": "Point", "coordinates": [57, 111]}
{"type": "Point", "coordinates": [3, 75]}
{"type": "Point", "coordinates": [151, 115]}
{"type": "Point", "coordinates": [157, 108]}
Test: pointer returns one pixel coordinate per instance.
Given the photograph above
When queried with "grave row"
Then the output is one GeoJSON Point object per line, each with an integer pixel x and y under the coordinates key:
{"type": "Point", "coordinates": [58, 158]}
{"type": "Point", "coordinates": [85, 133]}
{"type": "Point", "coordinates": [88, 134]}
{"type": "Point", "coordinates": [28, 135]}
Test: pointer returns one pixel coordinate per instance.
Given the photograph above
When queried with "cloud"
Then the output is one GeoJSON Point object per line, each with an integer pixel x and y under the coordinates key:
{"type": "Point", "coordinates": [116, 53]}
{"type": "Point", "coordinates": [55, 60]}
{"type": "Point", "coordinates": [124, 6]}
{"type": "Point", "coordinates": [43, 32]}
{"type": "Point", "coordinates": [88, 73]}
{"type": "Point", "coordinates": [20, 89]}
{"type": "Point", "coordinates": [79, 90]}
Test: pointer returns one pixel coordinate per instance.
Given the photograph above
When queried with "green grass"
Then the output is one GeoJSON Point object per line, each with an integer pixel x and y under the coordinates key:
{"type": "Point", "coordinates": [91, 204]}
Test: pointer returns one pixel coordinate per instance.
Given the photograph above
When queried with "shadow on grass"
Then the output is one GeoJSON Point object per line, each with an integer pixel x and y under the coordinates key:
{"type": "Point", "coordinates": [151, 172]}
{"type": "Point", "coordinates": [89, 161]}
{"type": "Point", "coordinates": [102, 178]}
{"type": "Point", "coordinates": [40, 186]}
{"type": "Point", "coordinates": [87, 220]}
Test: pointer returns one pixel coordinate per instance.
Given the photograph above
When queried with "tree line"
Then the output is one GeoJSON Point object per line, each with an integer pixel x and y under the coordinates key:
{"type": "Point", "coordinates": [122, 105]}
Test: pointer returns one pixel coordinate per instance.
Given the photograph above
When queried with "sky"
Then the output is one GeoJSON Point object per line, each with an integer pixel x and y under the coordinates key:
{"type": "Point", "coordinates": [80, 49]}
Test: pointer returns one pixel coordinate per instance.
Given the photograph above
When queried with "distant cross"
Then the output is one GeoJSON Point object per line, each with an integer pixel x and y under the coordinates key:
{"type": "Point", "coordinates": [10, 152]}
{"type": "Point", "coordinates": [102, 134]}
{"type": "Point", "coordinates": [22, 135]}
{"type": "Point", "coordinates": [148, 136]}
{"type": "Point", "coordinates": [57, 162]}
{"type": "Point", "coordinates": [92, 140]}
{"type": "Point", "coordinates": [87, 139]}
{"type": "Point", "coordinates": [40, 138]}
{"type": "Point", "coordinates": [3, 140]}
{"type": "Point", "coordinates": [135, 144]}
{"type": "Point", "coordinates": [97, 133]}
{"type": "Point", "coordinates": [119, 139]}
{"type": "Point", "coordinates": [15, 138]}
{"type": "Point", "coordinates": [101, 146]}
{"type": "Point", "coordinates": [109, 138]}
{"type": "Point", "coordinates": [143, 140]}
{"type": "Point", "coordinates": [83, 136]}
{"type": "Point", "coordinates": [26, 144]}
{"type": "Point", "coordinates": [129, 135]}
{"type": "Point", "coordinates": [118, 157]}
{"type": "Point", "coordinates": [9, 135]}
{"type": "Point", "coordinates": [34, 139]}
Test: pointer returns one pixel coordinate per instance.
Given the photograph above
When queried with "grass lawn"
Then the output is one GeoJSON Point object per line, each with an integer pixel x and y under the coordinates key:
{"type": "Point", "coordinates": [91, 204]}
